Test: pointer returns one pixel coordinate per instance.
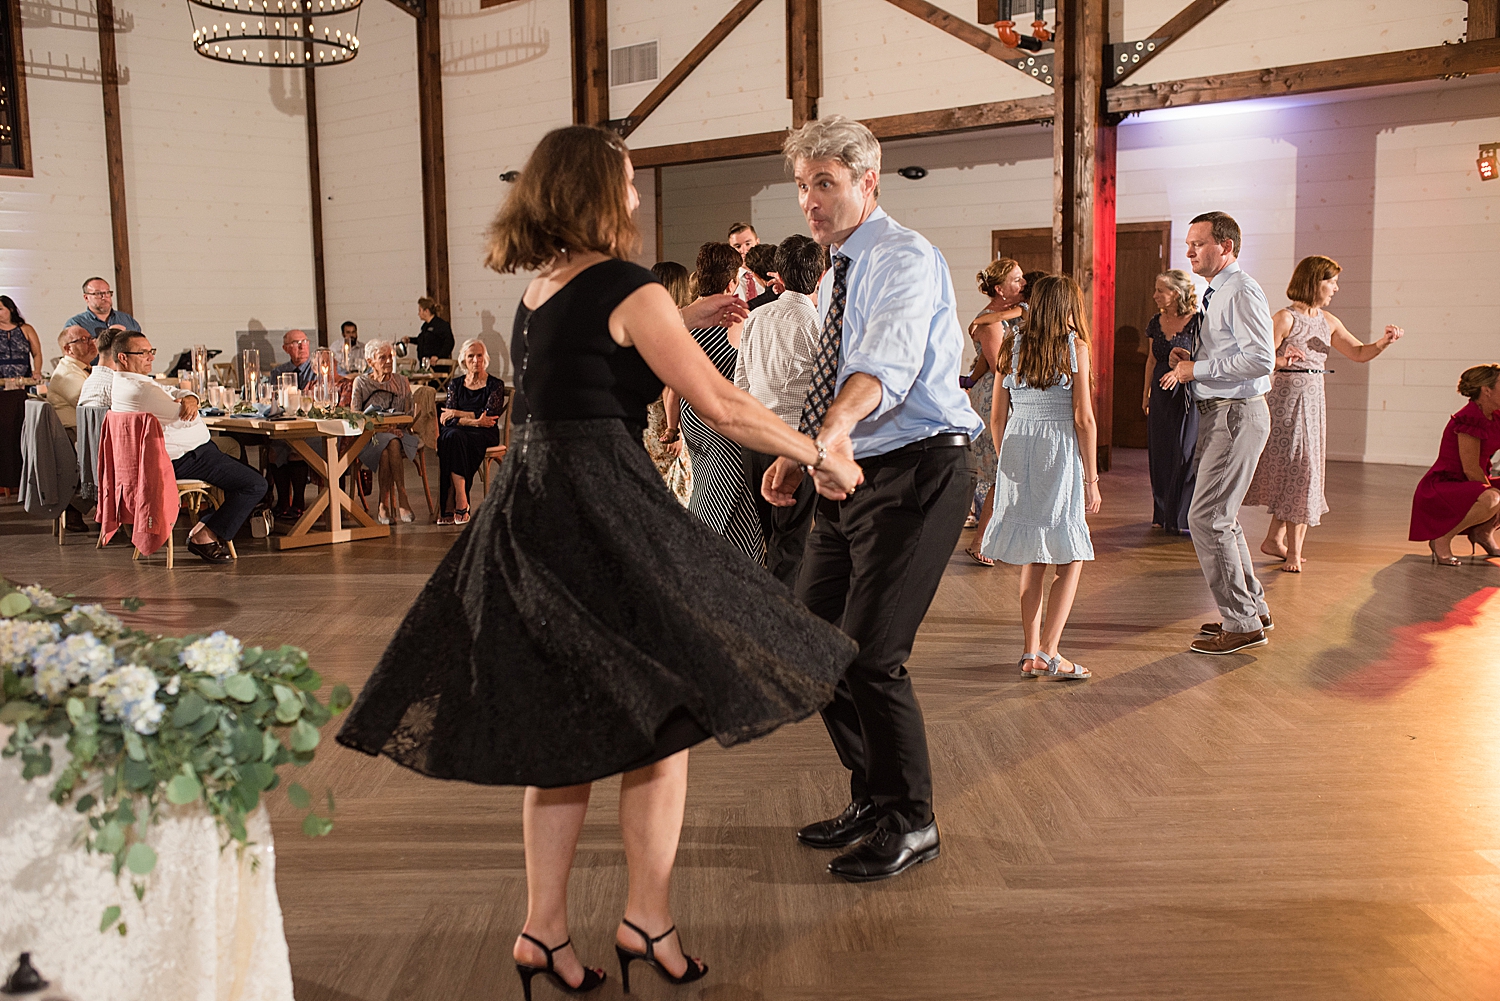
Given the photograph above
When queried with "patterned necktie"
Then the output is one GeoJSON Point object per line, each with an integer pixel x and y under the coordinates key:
{"type": "Point", "coordinates": [1208, 294]}
{"type": "Point", "coordinates": [826, 365]}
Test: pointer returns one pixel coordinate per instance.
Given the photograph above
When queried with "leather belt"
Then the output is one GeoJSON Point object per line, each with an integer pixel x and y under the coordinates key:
{"type": "Point", "coordinates": [954, 440]}
{"type": "Point", "coordinates": [1204, 406]}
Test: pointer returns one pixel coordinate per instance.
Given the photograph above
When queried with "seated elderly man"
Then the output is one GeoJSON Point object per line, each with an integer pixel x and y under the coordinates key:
{"type": "Point", "coordinates": [66, 384]}
{"type": "Point", "coordinates": [289, 473]}
{"type": "Point", "coordinates": [193, 455]}
{"type": "Point", "coordinates": [96, 389]}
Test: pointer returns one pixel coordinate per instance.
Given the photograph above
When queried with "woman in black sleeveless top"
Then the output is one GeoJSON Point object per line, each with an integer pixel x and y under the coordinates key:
{"type": "Point", "coordinates": [585, 624]}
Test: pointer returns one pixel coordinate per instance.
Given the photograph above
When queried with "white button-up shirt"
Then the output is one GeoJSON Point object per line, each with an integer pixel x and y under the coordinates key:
{"type": "Point", "coordinates": [777, 348]}
{"type": "Point", "coordinates": [1236, 347]}
{"type": "Point", "coordinates": [132, 393]}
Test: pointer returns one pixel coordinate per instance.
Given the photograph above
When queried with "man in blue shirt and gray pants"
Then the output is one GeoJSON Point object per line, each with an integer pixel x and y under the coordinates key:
{"type": "Point", "coordinates": [884, 390]}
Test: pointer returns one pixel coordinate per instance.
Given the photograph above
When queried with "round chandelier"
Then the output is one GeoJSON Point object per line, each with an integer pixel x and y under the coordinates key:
{"type": "Point", "coordinates": [276, 32]}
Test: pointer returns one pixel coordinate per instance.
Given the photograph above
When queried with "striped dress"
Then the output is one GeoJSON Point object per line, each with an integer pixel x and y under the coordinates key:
{"type": "Point", "coordinates": [721, 497]}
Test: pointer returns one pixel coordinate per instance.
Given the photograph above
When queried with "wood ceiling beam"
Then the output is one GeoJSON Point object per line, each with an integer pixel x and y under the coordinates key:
{"type": "Point", "coordinates": [804, 59]}
{"type": "Point", "coordinates": [1184, 21]}
{"type": "Point", "coordinates": [683, 69]}
{"type": "Point", "coordinates": [948, 121]}
{"type": "Point", "coordinates": [959, 28]}
{"type": "Point", "coordinates": [1437, 62]}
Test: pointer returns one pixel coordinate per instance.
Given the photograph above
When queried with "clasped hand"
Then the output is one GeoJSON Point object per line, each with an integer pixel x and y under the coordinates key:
{"type": "Point", "coordinates": [836, 479]}
{"type": "Point", "coordinates": [1181, 370]}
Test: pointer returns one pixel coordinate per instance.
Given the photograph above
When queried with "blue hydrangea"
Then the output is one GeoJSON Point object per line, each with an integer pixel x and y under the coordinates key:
{"type": "Point", "coordinates": [20, 640]}
{"type": "Point", "coordinates": [129, 695]}
{"type": "Point", "coordinates": [217, 655]}
{"type": "Point", "coordinates": [61, 665]}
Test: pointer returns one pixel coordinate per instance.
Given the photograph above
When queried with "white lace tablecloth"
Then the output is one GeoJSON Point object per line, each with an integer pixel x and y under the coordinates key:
{"type": "Point", "coordinates": [209, 928]}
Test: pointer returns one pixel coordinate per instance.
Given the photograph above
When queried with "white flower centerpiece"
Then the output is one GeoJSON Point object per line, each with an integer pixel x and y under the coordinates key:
{"type": "Point", "coordinates": [151, 719]}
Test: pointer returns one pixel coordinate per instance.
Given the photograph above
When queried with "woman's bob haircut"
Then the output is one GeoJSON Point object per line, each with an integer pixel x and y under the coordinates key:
{"type": "Point", "coordinates": [569, 198]}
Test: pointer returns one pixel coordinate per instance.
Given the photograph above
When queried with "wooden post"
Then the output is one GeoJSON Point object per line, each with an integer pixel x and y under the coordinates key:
{"type": "Point", "coordinates": [590, 28]}
{"type": "Point", "coordinates": [1083, 210]}
{"type": "Point", "coordinates": [315, 184]}
{"type": "Point", "coordinates": [114, 154]}
{"type": "Point", "coordinates": [434, 161]}
{"type": "Point", "coordinates": [804, 58]}
{"type": "Point", "coordinates": [1484, 19]}
{"type": "Point", "coordinates": [661, 253]}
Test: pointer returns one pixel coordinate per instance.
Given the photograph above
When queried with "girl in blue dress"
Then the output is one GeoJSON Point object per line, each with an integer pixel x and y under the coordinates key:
{"type": "Point", "coordinates": [1048, 476]}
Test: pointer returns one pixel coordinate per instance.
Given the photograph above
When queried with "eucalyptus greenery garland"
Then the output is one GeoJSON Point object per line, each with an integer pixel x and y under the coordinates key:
{"type": "Point", "coordinates": [152, 719]}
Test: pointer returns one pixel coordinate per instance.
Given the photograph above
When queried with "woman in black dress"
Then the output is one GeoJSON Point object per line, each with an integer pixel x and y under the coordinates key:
{"type": "Point", "coordinates": [469, 423]}
{"type": "Point", "coordinates": [721, 494]}
{"type": "Point", "coordinates": [584, 624]}
{"type": "Point", "coordinates": [1171, 418]}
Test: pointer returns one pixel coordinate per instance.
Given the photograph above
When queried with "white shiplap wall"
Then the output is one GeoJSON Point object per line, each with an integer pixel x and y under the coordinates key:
{"type": "Point", "coordinates": [370, 158]}
{"type": "Point", "coordinates": [1384, 183]}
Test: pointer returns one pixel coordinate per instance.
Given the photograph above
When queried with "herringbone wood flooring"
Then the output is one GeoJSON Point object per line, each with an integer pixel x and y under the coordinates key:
{"type": "Point", "coordinates": [1318, 820]}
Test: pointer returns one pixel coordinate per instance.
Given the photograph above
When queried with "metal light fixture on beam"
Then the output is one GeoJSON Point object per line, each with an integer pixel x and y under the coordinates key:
{"type": "Point", "coordinates": [276, 32]}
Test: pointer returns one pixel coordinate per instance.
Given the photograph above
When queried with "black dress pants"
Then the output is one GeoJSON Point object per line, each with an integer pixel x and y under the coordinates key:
{"type": "Point", "coordinates": [243, 487]}
{"type": "Point", "coordinates": [872, 566]}
{"type": "Point", "coordinates": [785, 528]}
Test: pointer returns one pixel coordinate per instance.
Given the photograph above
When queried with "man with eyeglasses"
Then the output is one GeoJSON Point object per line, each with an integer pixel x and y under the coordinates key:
{"type": "Point", "coordinates": [101, 313]}
{"type": "Point", "coordinates": [288, 472]}
{"type": "Point", "coordinates": [63, 389]}
{"type": "Point", "coordinates": [193, 455]}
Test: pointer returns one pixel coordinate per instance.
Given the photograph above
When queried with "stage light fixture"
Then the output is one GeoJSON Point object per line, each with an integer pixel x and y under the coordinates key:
{"type": "Point", "coordinates": [913, 173]}
{"type": "Point", "coordinates": [1489, 161]}
{"type": "Point", "coordinates": [511, 176]}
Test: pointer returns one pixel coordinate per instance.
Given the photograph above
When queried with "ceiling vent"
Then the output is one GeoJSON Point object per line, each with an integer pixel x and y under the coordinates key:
{"type": "Point", "coordinates": [632, 64]}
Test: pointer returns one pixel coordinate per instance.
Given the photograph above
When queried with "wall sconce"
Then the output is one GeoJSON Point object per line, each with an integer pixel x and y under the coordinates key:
{"type": "Point", "coordinates": [1489, 161]}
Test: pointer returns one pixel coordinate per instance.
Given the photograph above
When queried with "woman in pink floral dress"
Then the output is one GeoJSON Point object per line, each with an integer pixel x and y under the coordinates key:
{"type": "Point", "coordinates": [1289, 479]}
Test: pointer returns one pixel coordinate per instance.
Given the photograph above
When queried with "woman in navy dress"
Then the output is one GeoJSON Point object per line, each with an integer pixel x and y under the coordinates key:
{"type": "Point", "coordinates": [469, 425]}
{"type": "Point", "coordinates": [584, 624]}
{"type": "Point", "coordinates": [1171, 418]}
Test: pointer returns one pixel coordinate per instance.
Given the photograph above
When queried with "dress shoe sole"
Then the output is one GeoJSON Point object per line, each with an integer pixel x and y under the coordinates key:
{"type": "Point", "coordinates": [917, 859]}
{"type": "Point", "coordinates": [1219, 653]}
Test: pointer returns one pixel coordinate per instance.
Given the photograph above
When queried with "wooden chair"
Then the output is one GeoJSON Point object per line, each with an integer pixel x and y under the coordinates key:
{"type": "Point", "coordinates": [420, 461]}
{"type": "Point", "coordinates": [495, 454]}
{"type": "Point", "coordinates": [195, 493]}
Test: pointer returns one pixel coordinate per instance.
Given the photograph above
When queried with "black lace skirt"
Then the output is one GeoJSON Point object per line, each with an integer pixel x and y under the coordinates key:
{"type": "Point", "coordinates": [586, 624]}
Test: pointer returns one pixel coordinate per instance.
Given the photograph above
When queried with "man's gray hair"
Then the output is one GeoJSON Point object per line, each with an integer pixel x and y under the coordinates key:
{"type": "Point", "coordinates": [834, 138]}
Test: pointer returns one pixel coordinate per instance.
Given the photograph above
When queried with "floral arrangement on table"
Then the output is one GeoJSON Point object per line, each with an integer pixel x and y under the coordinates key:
{"type": "Point", "coordinates": [152, 719]}
{"type": "Point", "coordinates": [314, 413]}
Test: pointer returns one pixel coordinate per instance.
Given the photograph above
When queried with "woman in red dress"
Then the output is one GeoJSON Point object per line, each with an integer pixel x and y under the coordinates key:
{"type": "Point", "coordinates": [1456, 495]}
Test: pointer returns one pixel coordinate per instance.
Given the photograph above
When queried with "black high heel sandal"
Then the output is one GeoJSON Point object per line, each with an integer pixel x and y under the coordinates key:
{"type": "Point", "coordinates": [591, 978]}
{"type": "Point", "coordinates": [695, 970]}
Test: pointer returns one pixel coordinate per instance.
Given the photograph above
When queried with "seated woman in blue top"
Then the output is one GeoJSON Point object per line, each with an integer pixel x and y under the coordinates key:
{"type": "Point", "coordinates": [469, 423]}
{"type": "Point", "coordinates": [1043, 420]}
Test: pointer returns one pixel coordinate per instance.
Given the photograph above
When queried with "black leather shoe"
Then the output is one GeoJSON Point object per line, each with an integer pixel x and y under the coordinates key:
{"type": "Point", "coordinates": [886, 853]}
{"type": "Point", "coordinates": [843, 831]}
{"type": "Point", "coordinates": [210, 552]}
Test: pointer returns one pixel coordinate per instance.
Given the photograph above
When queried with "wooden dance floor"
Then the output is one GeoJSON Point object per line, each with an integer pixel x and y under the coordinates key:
{"type": "Point", "coordinates": [1320, 819]}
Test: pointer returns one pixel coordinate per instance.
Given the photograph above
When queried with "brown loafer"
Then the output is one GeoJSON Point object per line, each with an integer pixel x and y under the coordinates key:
{"type": "Point", "coordinates": [1227, 642]}
{"type": "Point", "coordinates": [1215, 628]}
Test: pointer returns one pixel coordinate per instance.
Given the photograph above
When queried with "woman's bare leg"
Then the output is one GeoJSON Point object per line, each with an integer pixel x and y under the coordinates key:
{"type": "Point", "coordinates": [398, 472]}
{"type": "Point", "coordinates": [1295, 537]}
{"type": "Point", "coordinates": [385, 477]}
{"type": "Point", "coordinates": [651, 805]}
{"type": "Point", "coordinates": [460, 493]}
{"type": "Point", "coordinates": [1275, 543]}
{"type": "Point", "coordinates": [1033, 578]}
{"type": "Point", "coordinates": [1485, 508]}
{"type": "Point", "coordinates": [551, 820]}
{"type": "Point", "coordinates": [1060, 606]}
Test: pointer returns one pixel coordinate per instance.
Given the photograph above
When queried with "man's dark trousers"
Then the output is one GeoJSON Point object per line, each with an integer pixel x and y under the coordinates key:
{"type": "Point", "coordinates": [243, 487]}
{"type": "Point", "coordinates": [872, 566]}
{"type": "Point", "coordinates": [785, 528]}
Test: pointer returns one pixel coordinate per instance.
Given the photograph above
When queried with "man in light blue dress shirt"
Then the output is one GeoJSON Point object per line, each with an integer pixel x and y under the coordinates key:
{"type": "Point", "coordinates": [1230, 371]}
{"type": "Point", "coordinates": [884, 390]}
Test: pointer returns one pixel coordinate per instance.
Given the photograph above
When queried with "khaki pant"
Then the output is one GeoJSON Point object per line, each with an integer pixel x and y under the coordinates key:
{"type": "Point", "coordinates": [1231, 434]}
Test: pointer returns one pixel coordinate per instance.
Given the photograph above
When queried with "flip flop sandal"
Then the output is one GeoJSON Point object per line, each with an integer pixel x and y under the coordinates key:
{"type": "Point", "coordinates": [979, 557]}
